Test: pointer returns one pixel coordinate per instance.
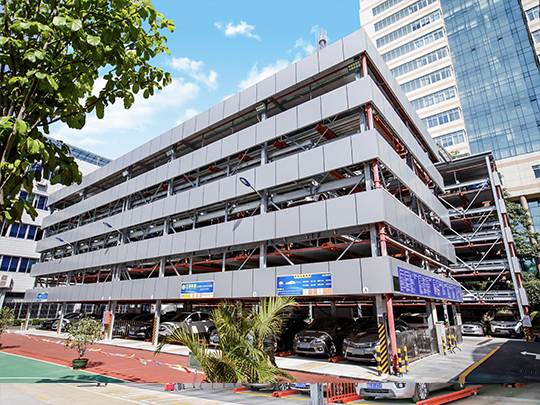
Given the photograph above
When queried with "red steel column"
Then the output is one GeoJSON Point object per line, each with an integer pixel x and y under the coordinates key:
{"type": "Point", "coordinates": [364, 65]}
{"type": "Point", "coordinates": [391, 329]}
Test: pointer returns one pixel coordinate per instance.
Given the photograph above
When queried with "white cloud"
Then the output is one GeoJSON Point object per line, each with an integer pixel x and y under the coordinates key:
{"type": "Point", "coordinates": [243, 28]}
{"type": "Point", "coordinates": [315, 29]}
{"type": "Point", "coordinates": [189, 113]}
{"type": "Point", "coordinates": [227, 96]}
{"type": "Point", "coordinates": [306, 46]}
{"type": "Point", "coordinates": [124, 126]}
{"type": "Point", "coordinates": [193, 70]}
{"type": "Point", "coordinates": [255, 75]}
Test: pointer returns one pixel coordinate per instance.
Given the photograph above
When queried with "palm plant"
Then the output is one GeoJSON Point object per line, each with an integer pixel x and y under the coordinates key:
{"type": "Point", "coordinates": [241, 356]}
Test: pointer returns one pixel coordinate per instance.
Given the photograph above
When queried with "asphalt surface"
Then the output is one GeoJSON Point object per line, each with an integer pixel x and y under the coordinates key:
{"type": "Point", "coordinates": [148, 394]}
{"type": "Point", "coordinates": [513, 362]}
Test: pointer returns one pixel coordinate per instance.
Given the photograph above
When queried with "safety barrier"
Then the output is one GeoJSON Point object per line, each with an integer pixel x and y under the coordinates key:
{"type": "Point", "coordinates": [384, 358]}
{"type": "Point", "coordinates": [444, 399]}
{"type": "Point", "coordinates": [342, 392]}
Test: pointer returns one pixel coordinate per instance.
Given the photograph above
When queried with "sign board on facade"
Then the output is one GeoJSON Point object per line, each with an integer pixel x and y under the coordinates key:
{"type": "Point", "coordinates": [197, 289]}
{"type": "Point", "coordinates": [305, 284]}
{"type": "Point", "coordinates": [426, 286]}
{"type": "Point", "coordinates": [42, 297]}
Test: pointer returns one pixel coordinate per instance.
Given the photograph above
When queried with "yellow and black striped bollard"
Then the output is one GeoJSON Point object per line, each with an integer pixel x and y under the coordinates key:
{"type": "Point", "coordinates": [444, 345]}
{"type": "Point", "coordinates": [400, 365]}
{"type": "Point", "coordinates": [379, 369]}
{"type": "Point", "coordinates": [406, 355]}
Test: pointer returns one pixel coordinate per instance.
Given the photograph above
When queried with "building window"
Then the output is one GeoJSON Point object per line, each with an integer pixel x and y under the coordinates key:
{"type": "Point", "coordinates": [22, 231]}
{"type": "Point", "coordinates": [415, 44]}
{"type": "Point", "coordinates": [40, 202]}
{"type": "Point", "coordinates": [407, 29]}
{"type": "Point", "coordinates": [13, 264]}
{"type": "Point", "coordinates": [5, 263]}
{"type": "Point", "coordinates": [442, 118]}
{"type": "Point", "coordinates": [536, 171]}
{"type": "Point", "coordinates": [427, 79]}
{"type": "Point", "coordinates": [536, 36]}
{"type": "Point", "coordinates": [14, 230]}
{"type": "Point", "coordinates": [385, 6]}
{"type": "Point", "coordinates": [413, 8]}
{"type": "Point", "coordinates": [532, 14]}
{"type": "Point", "coordinates": [31, 232]}
{"type": "Point", "coordinates": [451, 139]}
{"type": "Point", "coordinates": [434, 98]}
{"type": "Point", "coordinates": [420, 62]}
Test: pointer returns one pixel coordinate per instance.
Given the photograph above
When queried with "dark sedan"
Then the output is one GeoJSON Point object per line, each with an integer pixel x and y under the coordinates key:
{"type": "Point", "coordinates": [362, 343]}
{"type": "Point", "coordinates": [323, 336]}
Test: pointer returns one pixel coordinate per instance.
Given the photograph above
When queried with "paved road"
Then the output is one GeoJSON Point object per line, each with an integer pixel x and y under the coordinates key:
{"type": "Point", "coordinates": [512, 362]}
{"type": "Point", "coordinates": [150, 394]}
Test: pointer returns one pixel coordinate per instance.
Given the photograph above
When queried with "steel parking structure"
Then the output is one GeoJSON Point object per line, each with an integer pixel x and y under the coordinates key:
{"type": "Point", "coordinates": [318, 182]}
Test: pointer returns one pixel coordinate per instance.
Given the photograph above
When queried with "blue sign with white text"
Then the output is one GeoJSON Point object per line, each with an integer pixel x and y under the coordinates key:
{"type": "Point", "coordinates": [42, 297]}
{"type": "Point", "coordinates": [425, 286]}
{"type": "Point", "coordinates": [197, 289]}
{"type": "Point", "coordinates": [305, 284]}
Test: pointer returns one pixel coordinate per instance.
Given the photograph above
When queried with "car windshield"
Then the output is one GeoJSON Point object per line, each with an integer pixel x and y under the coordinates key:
{"type": "Point", "coordinates": [505, 318]}
{"type": "Point", "coordinates": [181, 317]}
{"type": "Point", "coordinates": [72, 315]}
{"type": "Point", "coordinates": [412, 319]}
{"type": "Point", "coordinates": [323, 324]}
{"type": "Point", "coordinates": [369, 326]}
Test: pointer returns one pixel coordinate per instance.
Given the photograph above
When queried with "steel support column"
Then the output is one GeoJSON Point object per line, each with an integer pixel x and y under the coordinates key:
{"type": "Point", "coordinates": [391, 329]}
{"type": "Point", "coordinates": [157, 319]}
{"type": "Point", "coordinates": [61, 317]}
{"type": "Point", "coordinates": [112, 309]}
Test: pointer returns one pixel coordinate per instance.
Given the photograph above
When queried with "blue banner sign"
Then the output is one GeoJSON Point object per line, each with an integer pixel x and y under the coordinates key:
{"type": "Point", "coordinates": [42, 297]}
{"type": "Point", "coordinates": [197, 289]}
{"type": "Point", "coordinates": [305, 284]}
{"type": "Point", "coordinates": [425, 286]}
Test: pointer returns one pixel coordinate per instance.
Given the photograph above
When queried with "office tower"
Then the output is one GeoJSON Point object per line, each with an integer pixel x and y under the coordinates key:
{"type": "Point", "coordinates": [18, 241]}
{"type": "Point", "coordinates": [490, 63]}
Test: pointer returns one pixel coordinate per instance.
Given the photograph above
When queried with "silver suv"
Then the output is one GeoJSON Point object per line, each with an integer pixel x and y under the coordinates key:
{"type": "Point", "coordinates": [505, 324]}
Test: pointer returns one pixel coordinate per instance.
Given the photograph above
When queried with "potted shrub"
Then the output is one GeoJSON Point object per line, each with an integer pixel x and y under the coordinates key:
{"type": "Point", "coordinates": [84, 333]}
{"type": "Point", "coordinates": [6, 319]}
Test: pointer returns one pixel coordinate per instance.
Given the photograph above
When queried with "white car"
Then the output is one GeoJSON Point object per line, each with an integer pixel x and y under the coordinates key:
{"type": "Point", "coordinates": [416, 391]}
{"type": "Point", "coordinates": [505, 324]}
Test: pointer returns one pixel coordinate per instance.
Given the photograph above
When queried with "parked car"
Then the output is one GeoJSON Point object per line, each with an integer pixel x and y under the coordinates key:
{"type": "Point", "coordinates": [197, 322]}
{"type": "Point", "coordinates": [121, 323]}
{"type": "Point", "coordinates": [362, 343]}
{"type": "Point", "coordinates": [73, 318]}
{"type": "Point", "coordinates": [285, 342]}
{"type": "Point", "coordinates": [141, 326]}
{"type": "Point", "coordinates": [324, 336]}
{"type": "Point", "coordinates": [506, 324]}
{"type": "Point", "coordinates": [472, 326]}
{"type": "Point", "coordinates": [47, 323]}
{"type": "Point", "coordinates": [281, 386]}
{"type": "Point", "coordinates": [416, 391]}
{"type": "Point", "coordinates": [305, 388]}
{"type": "Point", "coordinates": [415, 320]}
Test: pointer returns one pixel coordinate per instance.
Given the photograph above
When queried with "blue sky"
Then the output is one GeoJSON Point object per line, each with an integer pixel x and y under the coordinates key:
{"type": "Point", "coordinates": [218, 48]}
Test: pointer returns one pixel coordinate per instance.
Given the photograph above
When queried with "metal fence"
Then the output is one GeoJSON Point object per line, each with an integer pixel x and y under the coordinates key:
{"type": "Point", "coordinates": [418, 342]}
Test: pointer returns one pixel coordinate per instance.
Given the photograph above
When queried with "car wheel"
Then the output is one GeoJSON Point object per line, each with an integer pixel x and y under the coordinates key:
{"type": "Point", "coordinates": [458, 386]}
{"type": "Point", "coordinates": [421, 391]}
{"type": "Point", "coordinates": [281, 386]}
{"type": "Point", "coordinates": [213, 334]}
{"type": "Point", "coordinates": [332, 351]}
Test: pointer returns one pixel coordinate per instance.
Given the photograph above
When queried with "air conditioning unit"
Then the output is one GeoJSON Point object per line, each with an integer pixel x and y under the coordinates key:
{"type": "Point", "coordinates": [5, 281]}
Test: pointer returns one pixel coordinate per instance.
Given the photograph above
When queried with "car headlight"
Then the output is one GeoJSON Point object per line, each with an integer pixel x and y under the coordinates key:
{"type": "Point", "coordinates": [346, 342]}
{"type": "Point", "coordinates": [320, 340]}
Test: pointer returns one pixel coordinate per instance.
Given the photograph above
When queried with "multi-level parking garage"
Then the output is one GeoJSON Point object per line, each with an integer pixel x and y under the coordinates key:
{"type": "Point", "coordinates": [318, 182]}
{"type": "Point", "coordinates": [486, 255]}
